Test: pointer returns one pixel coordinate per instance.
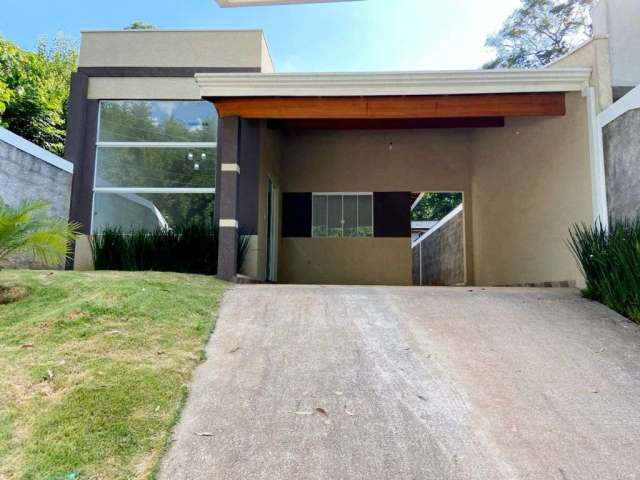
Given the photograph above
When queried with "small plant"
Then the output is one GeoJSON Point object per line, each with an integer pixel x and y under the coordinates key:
{"type": "Point", "coordinates": [610, 262]}
{"type": "Point", "coordinates": [186, 249]}
{"type": "Point", "coordinates": [28, 228]}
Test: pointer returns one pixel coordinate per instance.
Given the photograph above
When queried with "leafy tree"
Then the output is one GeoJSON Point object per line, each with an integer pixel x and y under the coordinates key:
{"type": "Point", "coordinates": [28, 228]}
{"type": "Point", "coordinates": [539, 32]}
{"type": "Point", "coordinates": [140, 25]}
{"type": "Point", "coordinates": [435, 206]}
{"type": "Point", "coordinates": [34, 88]}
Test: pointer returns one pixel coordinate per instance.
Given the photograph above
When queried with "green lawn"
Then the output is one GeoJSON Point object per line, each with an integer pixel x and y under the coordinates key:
{"type": "Point", "coordinates": [94, 368]}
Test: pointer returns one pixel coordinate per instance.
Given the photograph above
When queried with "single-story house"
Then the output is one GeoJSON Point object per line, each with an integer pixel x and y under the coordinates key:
{"type": "Point", "coordinates": [320, 169]}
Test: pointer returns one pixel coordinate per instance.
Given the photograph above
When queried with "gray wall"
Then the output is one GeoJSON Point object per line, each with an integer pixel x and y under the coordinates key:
{"type": "Point", "coordinates": [25, 177]}
{"type": "Point", "coordinates": [622, 163]}
{"type": "Point", "coordinates": [441, 255]}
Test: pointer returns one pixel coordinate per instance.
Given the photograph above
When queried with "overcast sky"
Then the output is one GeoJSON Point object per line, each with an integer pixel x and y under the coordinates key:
{"type": "Point", "coordinates": [345, 36]}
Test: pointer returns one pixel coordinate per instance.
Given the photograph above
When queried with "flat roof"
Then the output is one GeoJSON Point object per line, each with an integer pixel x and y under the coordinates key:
{"type": "Point", "coordinates": [456, 82]}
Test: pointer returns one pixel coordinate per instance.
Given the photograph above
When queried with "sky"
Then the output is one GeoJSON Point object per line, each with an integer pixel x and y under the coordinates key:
{"type": "Point", "coordinates": [364, 35]}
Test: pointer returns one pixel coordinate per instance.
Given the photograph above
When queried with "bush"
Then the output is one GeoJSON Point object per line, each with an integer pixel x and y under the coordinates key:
{"type": "Point", "coordinates": [610, 262]}
{"type": "Point", "coordinates": [186, 249]}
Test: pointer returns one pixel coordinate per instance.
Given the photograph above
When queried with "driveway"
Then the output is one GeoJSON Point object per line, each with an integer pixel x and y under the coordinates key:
{"type": "Point", "coordinates": [311, 382]}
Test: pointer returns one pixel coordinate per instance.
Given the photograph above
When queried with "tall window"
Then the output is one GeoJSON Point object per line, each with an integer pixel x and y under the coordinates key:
{"type": "Point", "coordinates": [155, 164]}
{"type": "Point", "coordinates": [342, 215]}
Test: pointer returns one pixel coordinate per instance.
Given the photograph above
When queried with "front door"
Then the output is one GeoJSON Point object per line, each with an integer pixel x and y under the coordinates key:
{"type": "Point", "coordinates": [272, 232]}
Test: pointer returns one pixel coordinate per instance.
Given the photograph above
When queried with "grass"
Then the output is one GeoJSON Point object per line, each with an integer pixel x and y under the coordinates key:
{"type": "Point", "coordinates": [94, 368]}
{"type": "Point", "coordinates": [610, 262]}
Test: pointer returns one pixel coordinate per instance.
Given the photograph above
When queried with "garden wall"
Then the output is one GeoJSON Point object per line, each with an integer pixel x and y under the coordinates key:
{"type": "Point", "coordinates": [27, 172]}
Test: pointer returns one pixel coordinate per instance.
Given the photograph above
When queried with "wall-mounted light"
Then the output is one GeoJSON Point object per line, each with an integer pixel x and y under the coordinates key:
{"type": "Point", "coordinates": [390, 146]}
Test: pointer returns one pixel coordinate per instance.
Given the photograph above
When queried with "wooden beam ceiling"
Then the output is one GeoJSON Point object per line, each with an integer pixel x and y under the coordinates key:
{"type": "Point", "coordinates": [386, 124]}
{"type": "Point", "coordinates": [406, 107]}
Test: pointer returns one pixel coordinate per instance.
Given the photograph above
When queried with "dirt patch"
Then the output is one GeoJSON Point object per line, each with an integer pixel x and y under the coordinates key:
{"type": "Point", "coordinates": [12, 294]}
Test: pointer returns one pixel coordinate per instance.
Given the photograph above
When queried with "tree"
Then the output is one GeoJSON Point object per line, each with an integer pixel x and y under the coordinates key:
{"type": "Point", "coordinates": [435, 206]}
{"type": "Point", "coordinates": [140, 25]}
{"type": "Point", "coordinates": [539, 32]}
{"type": "Point", "coordinates": [28, 228]}
{"type": "Point", "coordinates": [34, 88]}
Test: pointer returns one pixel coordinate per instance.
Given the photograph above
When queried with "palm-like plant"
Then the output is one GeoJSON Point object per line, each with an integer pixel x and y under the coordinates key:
{"type": "Point", "coordinates": [28, 228]}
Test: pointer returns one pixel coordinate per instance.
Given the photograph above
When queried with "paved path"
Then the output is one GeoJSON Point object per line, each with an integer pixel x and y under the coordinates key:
{"type": "Point", "coordinates": [342, 383]}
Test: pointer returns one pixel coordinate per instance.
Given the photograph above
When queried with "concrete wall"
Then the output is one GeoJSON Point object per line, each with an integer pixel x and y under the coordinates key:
{"type": "Point", "coordinates": [173, 48]}
{"type": "Point", "coordinates": [622, 164]}
{"type": "Point", "coordinates": [24, 176]}
{"type": "Point", "coordinates": [530, 182]}
{"type": "Point", "coordinates": [620, 21]}
{"type": "Point", "coordinates": [366, 161]}
{"type": "Point", "coordinates": [439, 259]}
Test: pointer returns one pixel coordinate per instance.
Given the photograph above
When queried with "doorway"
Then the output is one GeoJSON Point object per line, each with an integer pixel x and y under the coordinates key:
{"type": "Point", "coordinates": [272, 231]}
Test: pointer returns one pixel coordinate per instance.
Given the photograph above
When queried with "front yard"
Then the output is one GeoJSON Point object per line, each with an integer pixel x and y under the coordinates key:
{"type": "Point", "coordinates": [94, 368]}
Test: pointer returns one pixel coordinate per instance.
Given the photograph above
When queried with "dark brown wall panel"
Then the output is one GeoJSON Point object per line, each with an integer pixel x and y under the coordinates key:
{"type": "Point", "coordinates": [392, 214]}
{"type": "Point", "coordinates": [296, 214]}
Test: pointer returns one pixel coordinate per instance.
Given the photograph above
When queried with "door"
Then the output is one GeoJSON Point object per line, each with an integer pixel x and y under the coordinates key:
{"type": "Point", "coordinates": [272, 232]}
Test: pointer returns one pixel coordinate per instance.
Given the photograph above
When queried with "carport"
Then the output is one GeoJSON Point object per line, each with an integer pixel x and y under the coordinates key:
{"type": "Point", "coordinates": [296, 149]}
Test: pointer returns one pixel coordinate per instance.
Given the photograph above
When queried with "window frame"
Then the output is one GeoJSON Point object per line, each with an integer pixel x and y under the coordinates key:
{"type": "Point", "coordinates": [142, 190]}
{"type": "Point", "coordinates": [342, 222]}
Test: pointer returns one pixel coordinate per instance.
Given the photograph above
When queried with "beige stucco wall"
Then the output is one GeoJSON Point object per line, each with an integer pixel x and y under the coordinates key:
{"type": "Point", "coordinates": [172, 48]}
{"type": "Point", "coordinates": [141, 88]}
{"type": "Point", "coordinates": [595, 55]}
{"type": "Point", "coordinates": [366, 161]}
{"type": "Point", "coordinates": [346, 261]}
{"type": "Point", "coordinates": [530, 182]}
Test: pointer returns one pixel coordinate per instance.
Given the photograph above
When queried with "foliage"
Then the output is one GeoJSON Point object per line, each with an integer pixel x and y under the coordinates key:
{"type": "Point", "coordinates": [435, 206]}
{"type": "Point", "coordinates": [539, 32]}
{"type": "Point", "coordinates": [610, 262]}
{"type": "Point", "coordinates": [243, 248]}
{"type": "Point", "coordinates": [140, 25]}
{"type": "Point", "coordinates": [28, 228]}
{"type": "Point", "coordinates": [93, 367]}
{"type": "Point", "coordinates": [189, 249]}
{"type": "Point", "coordinates": [34, 88]}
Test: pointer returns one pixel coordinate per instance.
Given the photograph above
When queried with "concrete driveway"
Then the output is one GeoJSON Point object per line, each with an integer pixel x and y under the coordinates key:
{"type": "Point", "coordinates": [310, 382]}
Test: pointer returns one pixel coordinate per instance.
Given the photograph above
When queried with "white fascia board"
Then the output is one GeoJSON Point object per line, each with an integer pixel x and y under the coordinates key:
{"type": "Point", "coordinates": [631, 101]}
{"type": "Point", "coordinates": [395, 83]}
{"type": "Point", "coordinates": [34, 150]}
{"type": "Point", "coordinates": [255, 3]}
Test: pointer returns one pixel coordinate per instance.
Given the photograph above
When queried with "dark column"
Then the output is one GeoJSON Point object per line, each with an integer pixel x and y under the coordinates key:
{"type": "Point", "coordinates": [248, 160]}
{"type": "Point", "coordinates": [227, 193]}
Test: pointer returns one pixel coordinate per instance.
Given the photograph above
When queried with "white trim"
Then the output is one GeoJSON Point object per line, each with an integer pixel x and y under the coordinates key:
{"type": "Point", "coordinates": [631, 101]}
{"type": "Point", "coordinates": [228, 223]}
{"type": "Point", "coordinates": [158, 144]}
{"type": "Point", "coordinates": [439, 225]}
{"type": "Point", "coordinates": [152, 190]}
{"type": "Point", "coordinates": [230, 167]}
{"type": "Point", "coordinates": [596, 158]}
{"type": "Point", "coordinates": [392, 83]}
{"type": "Point", "coordinates": [32, 149]}
{"type": "Point", "coordinates": [415, 204]}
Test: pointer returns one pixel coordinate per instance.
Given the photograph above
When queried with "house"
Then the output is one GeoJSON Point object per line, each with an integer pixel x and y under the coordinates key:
{"type": "Point", "coordinates": [28, 172]}
{"type": "Point", "coordinates": [318, 169]}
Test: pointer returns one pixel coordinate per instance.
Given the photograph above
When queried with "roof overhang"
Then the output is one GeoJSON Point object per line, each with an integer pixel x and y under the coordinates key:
{"type": "Point", "coordinates": [251, 3]}
{"type": "Point", "coordinates": [220, 85]}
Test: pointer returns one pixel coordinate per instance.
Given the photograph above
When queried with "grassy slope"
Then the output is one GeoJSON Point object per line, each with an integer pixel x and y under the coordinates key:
{"type": "Point", "coordinates": [96, 395]}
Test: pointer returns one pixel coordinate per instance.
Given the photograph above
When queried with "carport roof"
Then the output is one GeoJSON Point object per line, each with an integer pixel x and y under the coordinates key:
{"type": "Point", "coordinates": [462, 82]}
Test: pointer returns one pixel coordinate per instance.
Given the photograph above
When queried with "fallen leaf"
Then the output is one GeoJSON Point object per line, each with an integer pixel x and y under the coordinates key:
{"type": "Point", "coordinates": [349, 413]}
{"type": "Point", "coordinates": [422, 398]}
{"type": "Point", "coordinates": [321, 411]}
{"type": "Point", "coordinates": [234, 350]}
{"type": "Point", "coordinates": [158, 408]}
{"type": "Point", "coordinates": [27, 345]}
{"type": "Point", "coordinates": [204, 434]}
{"type": "Point", "coordinates": [50, 374]}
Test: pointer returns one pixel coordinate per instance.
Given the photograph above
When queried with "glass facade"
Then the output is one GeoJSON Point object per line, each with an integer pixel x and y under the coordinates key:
{"type": "Point", "coordinates": [155, 164]}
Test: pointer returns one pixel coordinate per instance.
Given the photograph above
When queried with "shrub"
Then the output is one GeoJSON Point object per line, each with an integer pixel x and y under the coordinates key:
{"type": "Point", "coordinates": [610, 262]}
{"type": "Point", "coordinates": [185, 249]}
